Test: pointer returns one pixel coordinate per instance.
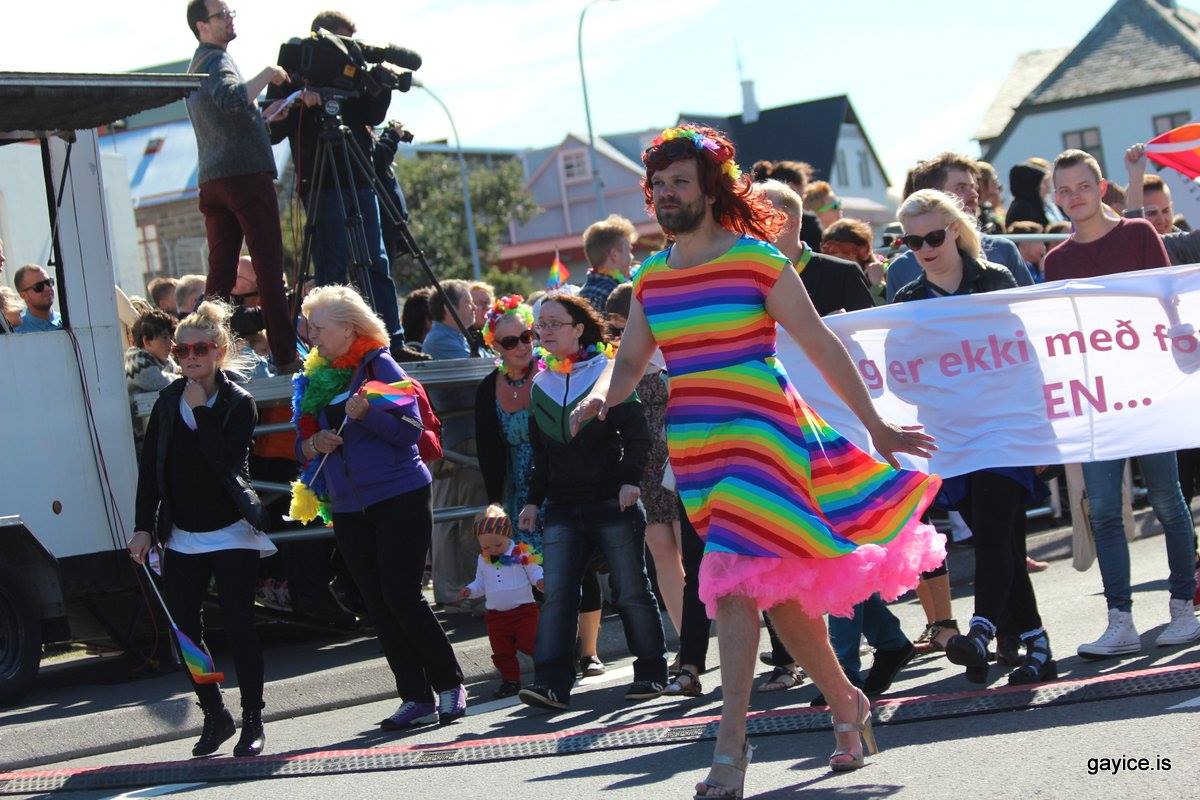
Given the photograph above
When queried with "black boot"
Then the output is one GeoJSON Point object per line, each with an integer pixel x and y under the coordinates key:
{"type": "Point", "coordinates": [253, 738]}
{"type": "Point", "coordinates": [972, 650]}
{"type": "Point", "coordinates": [218, 728]}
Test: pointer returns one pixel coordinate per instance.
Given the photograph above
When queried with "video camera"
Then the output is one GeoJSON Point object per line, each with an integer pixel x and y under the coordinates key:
{"type": "Point", "coordinates": [342, 64]}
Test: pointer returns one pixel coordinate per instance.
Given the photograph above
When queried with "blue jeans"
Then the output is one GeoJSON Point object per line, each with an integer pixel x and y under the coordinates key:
{"type": "Point", "coordinates": [871, 619]}
{"type": "Point", "coordinates": [331, 252]}
{"type": "Point", "coordinates": [1160, 473]}
{"type": "Point", "coordinates": [570, 535]}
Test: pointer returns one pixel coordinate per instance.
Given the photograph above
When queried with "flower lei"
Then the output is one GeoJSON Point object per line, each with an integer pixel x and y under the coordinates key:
{"type": "Point", "coordinates": [701, 142]}
{"type": "Point", "coordinates": [563, 365]}
{"type": "Point", "coordinates": [522, 555]}
{"type": "Point", "coordinates": [614, 274]}
{"type": "Point", "coordinates": [509, 304]}
{"type": "Point", "coordinates": [312, 389]}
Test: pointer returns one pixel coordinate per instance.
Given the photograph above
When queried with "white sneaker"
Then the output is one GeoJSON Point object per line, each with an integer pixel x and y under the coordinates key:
{"type": "Point", "coordinates": [1120, 638]}
{"type": "Point", "coordinates": [1184, 626]}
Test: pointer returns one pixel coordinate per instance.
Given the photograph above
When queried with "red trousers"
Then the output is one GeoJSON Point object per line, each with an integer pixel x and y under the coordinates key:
{"type": "Point", "coordinates": [509, 632]}
{"type": "Point", "coordinates": [246, 207]}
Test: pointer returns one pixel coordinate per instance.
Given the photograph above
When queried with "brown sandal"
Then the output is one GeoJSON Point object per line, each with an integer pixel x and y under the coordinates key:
{"type": "Point", "coordinates": [685, 684]}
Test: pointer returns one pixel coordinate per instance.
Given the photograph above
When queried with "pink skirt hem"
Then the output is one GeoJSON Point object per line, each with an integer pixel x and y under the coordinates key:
{"type": "Point", "coordinates": [825, 585]}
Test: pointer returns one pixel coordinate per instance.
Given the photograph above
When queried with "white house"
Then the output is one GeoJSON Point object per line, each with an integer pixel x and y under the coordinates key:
{"type": "Point", "coordinates": [1134, 75]}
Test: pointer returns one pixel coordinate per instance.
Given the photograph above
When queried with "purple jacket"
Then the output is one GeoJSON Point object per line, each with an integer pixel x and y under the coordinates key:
{"type": "Point", "coordinates": [378, 458]}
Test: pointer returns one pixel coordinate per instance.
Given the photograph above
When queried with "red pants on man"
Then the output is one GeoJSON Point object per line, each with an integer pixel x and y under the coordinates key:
{"type": "Point", "coordinates": [246, 207]}
{"type": "Point", "coordinates": [509, 632]}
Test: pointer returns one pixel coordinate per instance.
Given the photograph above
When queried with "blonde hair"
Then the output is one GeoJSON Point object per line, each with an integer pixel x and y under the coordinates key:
{"type": "Point", "coordinates": [493, 519]}
{"type": "Point", "coordinates": [601, 237]}
{"type": "Point", "coordinates": [816, 194]}
{"type": "Point", "coordinates": [782, 196]}
{"type": "Point", "coordinates": [928, 201]}
{"type": "Point", "coordinates": [345, 305]}
{"type": "Point", "coordinates": [211, 318]}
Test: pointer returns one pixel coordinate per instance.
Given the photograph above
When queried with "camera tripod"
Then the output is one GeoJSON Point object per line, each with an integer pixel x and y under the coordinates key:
{"type": "Point", "coordinates": [340, 157]}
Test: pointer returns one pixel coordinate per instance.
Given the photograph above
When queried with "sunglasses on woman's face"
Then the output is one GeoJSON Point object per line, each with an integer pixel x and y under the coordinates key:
{"type": "Point", "coordinates": [201, 349]}
{"type": "Point", "coordinates": [934, 238]}
{"type": "Point", "coordinates": [509, 342]}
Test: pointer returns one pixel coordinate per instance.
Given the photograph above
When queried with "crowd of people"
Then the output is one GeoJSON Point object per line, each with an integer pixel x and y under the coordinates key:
{"type": "Point", "coordinates": [638, 434]}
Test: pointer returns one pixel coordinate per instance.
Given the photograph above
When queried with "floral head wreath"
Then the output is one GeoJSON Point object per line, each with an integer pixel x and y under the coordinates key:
{"type": "Point", "coordinates": [715, 152]}
{"type": "Point", "coordinates": [509, 304]}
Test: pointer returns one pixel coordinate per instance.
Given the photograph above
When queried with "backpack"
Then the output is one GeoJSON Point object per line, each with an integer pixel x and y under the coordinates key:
{"type": "Point", "coordinates": [429, 445]}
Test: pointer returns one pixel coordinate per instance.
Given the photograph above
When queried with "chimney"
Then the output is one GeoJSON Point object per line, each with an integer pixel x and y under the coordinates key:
{"type": "Point", "coordinates": [749, 104]}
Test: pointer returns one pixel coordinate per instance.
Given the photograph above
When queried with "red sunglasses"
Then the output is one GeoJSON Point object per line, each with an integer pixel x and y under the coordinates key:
{"type": "Point", "coordinates": [201, 349]}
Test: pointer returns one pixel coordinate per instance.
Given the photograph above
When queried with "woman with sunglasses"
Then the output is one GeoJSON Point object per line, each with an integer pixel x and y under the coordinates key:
{"type": "Point", "coordinates": [589, 482]}
{"type": "Point", "coordinates": [945, 240]}
{"type": "Point", "coordinates": [198, 434]}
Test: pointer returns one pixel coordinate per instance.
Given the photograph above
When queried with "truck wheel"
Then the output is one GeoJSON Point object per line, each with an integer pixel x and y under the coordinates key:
{"type": "Point", "coordinates": [20, 636]}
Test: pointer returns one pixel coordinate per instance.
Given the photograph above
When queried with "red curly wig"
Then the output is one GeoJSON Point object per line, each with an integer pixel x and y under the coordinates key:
{"type": "Point", "coordinates": [736, 207]}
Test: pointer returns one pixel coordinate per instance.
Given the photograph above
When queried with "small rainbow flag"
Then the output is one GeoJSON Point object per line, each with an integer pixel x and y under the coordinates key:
{"type": "Point", "coordinates": [382, 395]}
{"type": "Point", "coordinates": [1178, 148]}
{"type": "Point", "coordinates": [199, 663]}
{"type": "Point", "coordinates": [559, 274]}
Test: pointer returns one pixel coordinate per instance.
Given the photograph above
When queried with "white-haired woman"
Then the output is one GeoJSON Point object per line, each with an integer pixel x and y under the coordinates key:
{"type": "Point", "coordinates": [375, 489]}
{"type": "Point", "coordinates": [946, 242]}
{"type": "Point", "coordinates": [198, 434]}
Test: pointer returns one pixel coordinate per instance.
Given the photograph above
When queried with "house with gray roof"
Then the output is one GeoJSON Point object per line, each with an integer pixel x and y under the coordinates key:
{"type": "Point", "coordinates": [1134, 75]}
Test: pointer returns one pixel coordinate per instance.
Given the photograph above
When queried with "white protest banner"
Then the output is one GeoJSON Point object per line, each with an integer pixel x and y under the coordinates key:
{"type": "Point", "coordinates": [1071, 371]}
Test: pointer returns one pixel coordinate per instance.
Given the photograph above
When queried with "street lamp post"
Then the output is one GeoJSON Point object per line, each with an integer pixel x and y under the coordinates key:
{"type": "Point", "coordinates": [466, 184]}
{"type": "Point", "coordinates": [597, 184]}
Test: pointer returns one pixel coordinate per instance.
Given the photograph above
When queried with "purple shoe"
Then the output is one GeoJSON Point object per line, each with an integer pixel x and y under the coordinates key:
{"type": "Point", "coordinates": [452, 704]}
{"type": "Point", "coordinates": [409, 715]}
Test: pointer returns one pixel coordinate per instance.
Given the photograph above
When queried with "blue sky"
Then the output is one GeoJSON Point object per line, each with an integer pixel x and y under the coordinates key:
{"type": "Point", "coordinates": [920, 73]}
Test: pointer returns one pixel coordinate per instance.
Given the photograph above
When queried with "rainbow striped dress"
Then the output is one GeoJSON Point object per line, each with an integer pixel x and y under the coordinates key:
{"type": "Point", "coordinates": [787, 507]}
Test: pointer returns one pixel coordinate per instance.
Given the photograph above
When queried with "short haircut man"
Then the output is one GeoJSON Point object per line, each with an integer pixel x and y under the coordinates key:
{"type": "Point", "coordinates": [188, 291]}
{"type": "Point", "coordinates": [151, 325]}
{"type": "Point", "coordinates": [162, 294]}
{"type": "Point", "coordinates": [1156, 204]}
{"type": "Point", "coordinates": [36, 289]}
{"type": "Point", "coordinates": [937, 171]}
{"type": "Point", "coordinates": [455, 290]}
{"type": "Point", "coordinates": [334, 22]}
{"type": "Point", "coordinates": [608, 246]}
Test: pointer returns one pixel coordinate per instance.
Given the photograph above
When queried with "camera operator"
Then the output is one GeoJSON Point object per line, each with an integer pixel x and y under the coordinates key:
{"type": "Point", "coordinates": [237, 174]}
{"type": "Point", "coordinates": [330, 244]}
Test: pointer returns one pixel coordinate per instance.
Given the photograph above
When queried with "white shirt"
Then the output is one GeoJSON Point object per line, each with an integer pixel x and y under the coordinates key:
{"type": "Point", "coordinates": [241, 535]}
{"type": "Point", "coordinates": [505, 586]}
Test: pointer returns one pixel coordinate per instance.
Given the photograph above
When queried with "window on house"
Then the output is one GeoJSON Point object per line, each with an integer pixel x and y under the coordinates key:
{"type": "Point", "coordinates": [148, 242]}
{"type": "Point", "coordinates": [839, 169]}
{"type": "Point", "coordinates": [864, 168]}
{"type": "Point", "coordinates": [1087, 140]}
{"type": "Point", "coordinates": [574, 166]}
{"type": "Point", "coordinates": [1166, 122]}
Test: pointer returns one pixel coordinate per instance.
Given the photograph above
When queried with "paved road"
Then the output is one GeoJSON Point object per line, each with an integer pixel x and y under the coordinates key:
{"type": "Point", "coordinates": [1042, 752]}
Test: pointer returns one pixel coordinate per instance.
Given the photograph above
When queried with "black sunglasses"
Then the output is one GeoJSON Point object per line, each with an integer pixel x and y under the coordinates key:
{"type": "Point", "coordinates": [934, 238]}
{"type": "Point", "coordinates": [40, 286]}
{"type": "Point", "coordinates": [509, 342]}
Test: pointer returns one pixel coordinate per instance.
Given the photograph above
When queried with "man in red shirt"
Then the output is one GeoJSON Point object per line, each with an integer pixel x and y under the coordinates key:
{"type": "Point", "coordinates": [1103, 245]}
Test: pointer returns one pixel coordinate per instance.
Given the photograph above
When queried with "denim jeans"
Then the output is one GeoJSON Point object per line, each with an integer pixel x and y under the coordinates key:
{"type": "Point", "coordinates": [571, 533]}
{"type": "Point", "coordinates": [331, 252]}
{"type": "Point", "coordinates": [1160, 473]}
{"type": "Point", "coordinates": [871, 619]}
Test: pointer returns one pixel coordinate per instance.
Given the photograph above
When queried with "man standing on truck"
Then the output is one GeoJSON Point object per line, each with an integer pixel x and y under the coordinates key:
{"type": "Point", "coordinates": [237, 174]}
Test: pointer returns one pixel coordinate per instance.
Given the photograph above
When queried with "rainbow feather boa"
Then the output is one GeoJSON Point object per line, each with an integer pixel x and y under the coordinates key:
{"type": "Point", "coordinates": [522, 555]}
{"type": "Point", "coordinates": [320, 381]}
{"type": "Point", "coordinates": [563, 365]}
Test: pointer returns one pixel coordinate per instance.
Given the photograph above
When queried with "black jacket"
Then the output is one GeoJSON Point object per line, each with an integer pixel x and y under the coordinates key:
{"type": "Point", "coordinates": [979, 276]}
{"type": "Point", "coordinates": [302, 128]}
{"type": "Point", "coordinates": [224, 433]}
{"type": "Point", "coordinates": [835, 283]}
{"type": "Point", "coordinates": [490, 446]}
{"type": "Point", "coordinates": [810, 230]}
{"type": "Point", "coordinates": [593, 466]}
{"type": "Point", "coordinates": [1025, 183]}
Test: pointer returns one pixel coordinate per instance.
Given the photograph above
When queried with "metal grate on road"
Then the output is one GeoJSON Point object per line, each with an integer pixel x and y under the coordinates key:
{"type": "Point", "coordinates": [789, 720]}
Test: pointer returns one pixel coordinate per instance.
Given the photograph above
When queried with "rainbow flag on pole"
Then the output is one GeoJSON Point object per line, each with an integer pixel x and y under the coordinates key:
{"type": "Point", "coordinates": [383, 395]}
{"type": "Point", "coordinates": [199, 663]}
{"type": "Point", "coordinates": [559, 274]}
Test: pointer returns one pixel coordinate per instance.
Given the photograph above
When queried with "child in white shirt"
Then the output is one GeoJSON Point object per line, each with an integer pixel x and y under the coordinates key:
{"type": "Point", "coordinates": [505, 575]}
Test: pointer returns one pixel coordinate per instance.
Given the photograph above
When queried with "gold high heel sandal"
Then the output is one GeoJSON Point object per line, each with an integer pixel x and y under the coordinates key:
{"type": "Point", "coordinates": [717, 791]}
{"type": "Point", "coordinates": [863, 728]}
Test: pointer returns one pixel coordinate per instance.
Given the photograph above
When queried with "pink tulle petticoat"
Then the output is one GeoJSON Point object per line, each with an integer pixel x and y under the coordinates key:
{"type": "Point", "coordinates": [825, 585]}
